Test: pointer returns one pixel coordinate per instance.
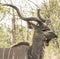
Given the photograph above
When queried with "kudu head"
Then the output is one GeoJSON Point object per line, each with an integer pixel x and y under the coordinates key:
{"type": "Point", "coordinates": [40, 22]}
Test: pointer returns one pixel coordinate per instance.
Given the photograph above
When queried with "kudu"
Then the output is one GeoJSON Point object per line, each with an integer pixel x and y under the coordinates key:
{"type": "Point", "coordinates": [17, 51]}
{"type": "Point", "coordinates": [48, 33]}
{"type": "Point", "coordinates": [39, 37]}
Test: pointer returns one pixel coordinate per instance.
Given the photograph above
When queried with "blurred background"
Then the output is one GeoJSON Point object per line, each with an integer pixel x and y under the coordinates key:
{"type": "Point", "coordinates": [13, 29]}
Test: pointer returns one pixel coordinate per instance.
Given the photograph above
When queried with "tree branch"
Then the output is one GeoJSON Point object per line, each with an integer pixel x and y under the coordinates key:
{"type": "Point", "coordinates": [34, 3]}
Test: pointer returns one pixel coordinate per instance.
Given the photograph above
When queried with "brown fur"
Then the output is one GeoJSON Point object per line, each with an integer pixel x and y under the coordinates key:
{"type": "Point", "coordinates": [20, 43]}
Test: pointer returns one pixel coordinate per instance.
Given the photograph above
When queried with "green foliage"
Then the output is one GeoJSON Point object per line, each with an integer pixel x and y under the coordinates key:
{"type": "Point", "coordinates": [3, 38]}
